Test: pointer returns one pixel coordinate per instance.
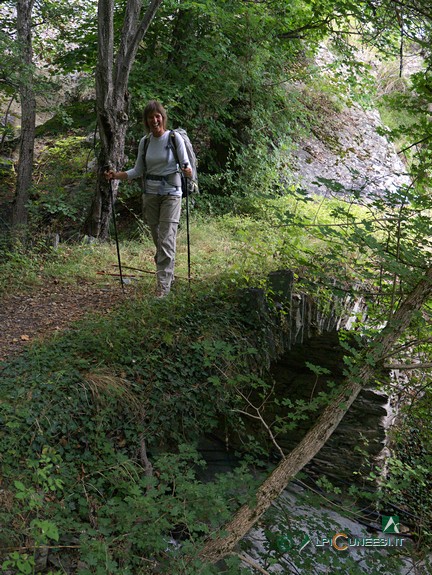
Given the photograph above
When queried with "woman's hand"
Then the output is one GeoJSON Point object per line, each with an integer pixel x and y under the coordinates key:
{"type": "Point", "coordinates": [110, 175]}
{"type": "Point", "coordinates": [187, 172]}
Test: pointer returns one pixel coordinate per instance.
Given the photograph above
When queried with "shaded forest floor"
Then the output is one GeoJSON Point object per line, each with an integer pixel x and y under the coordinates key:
{"type": "Point", "coordinates": [49, 308]}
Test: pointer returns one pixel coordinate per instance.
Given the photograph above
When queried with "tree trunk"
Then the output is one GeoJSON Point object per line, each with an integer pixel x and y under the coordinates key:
{"type": "Point", "coordinates": [359, 375]}
{"type": "Point", "coordinates": [28, 114]}
{"type": "Point", "coordinates": [112, 76]}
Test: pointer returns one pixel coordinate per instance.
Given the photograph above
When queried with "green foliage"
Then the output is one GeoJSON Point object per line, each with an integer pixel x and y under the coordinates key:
{"type": "Point", "coordinates": [74, 412]}
{"type": "Point", "coordinates": [18, 267]}
{"type": "Point", "coordinates": [78, 472]}
{"type": "Point", "coordinates": [21, 563]}
{"type": "Point", "coordinates": [408, 480]}
{"type": "Point", "coordinates": [77, 116]}
{"type": "Point", "coordinates": [238, 52]}
{"type": "Point", "coordinates": [166, 373]}
{"type": "Point", "coordinates": [61, 198]}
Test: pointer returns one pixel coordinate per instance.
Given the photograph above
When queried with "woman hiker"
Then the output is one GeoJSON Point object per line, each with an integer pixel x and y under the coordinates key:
{"type": "Point", "coordinates": [162, 194]}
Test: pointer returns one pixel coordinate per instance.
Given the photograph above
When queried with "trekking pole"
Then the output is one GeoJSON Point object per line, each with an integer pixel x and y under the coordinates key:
{"type": "Point", "coordinates": [185, 165]}
{"type": "Point", "coordinates": [116, 235]}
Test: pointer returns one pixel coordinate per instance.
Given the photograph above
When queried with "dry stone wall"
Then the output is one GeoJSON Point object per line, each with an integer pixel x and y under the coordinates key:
{"type": "Point", "coordinates": [300, 330]}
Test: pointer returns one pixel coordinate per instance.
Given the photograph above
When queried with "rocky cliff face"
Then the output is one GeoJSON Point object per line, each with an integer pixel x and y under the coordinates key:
{"type": "Point", "coordinates": [347, 149]}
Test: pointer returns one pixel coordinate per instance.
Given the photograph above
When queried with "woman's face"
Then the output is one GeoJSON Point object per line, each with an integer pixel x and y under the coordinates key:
{"type": "Point", "coordinates": [156, 124]}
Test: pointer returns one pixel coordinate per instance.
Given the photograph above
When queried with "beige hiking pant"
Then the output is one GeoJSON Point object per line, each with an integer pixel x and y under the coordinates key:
{"type": "Point", "coordinates": [162, 214]}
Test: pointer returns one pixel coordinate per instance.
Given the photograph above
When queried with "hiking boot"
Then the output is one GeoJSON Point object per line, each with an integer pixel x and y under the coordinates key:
{"type": "Point", "coordinates": [161, 292]}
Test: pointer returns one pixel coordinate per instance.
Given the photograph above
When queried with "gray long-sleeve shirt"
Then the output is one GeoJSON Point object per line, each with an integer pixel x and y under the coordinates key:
{"type": "Point", "coordinates": [159, 161]}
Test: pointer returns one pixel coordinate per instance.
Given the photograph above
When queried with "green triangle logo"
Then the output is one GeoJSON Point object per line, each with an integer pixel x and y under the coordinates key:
{"type": "Point", "coordinates": [390, 524]}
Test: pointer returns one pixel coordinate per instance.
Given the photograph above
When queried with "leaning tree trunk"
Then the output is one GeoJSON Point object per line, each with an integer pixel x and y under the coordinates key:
{"type": "Point", "coordinates": [358, 377]}
{"type": "Point", "coordinates": [28, 114]}
{"type": "Point", "coordinates": [112, 76]}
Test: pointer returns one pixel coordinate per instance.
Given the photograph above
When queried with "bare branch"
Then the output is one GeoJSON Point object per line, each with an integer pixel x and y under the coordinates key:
{"type": "Point", "coordinates": [297, 33]}
{"type": "Point", "coordinates": [246, 559]}
{"type": "Point", "coordinates": [415, 144]}
{"type": "Point", "coordinates": [402, 366]}
{"type": "Point", "coordinates": [131, 38]}
{"type": "Point", "coordinates": [262, 420]}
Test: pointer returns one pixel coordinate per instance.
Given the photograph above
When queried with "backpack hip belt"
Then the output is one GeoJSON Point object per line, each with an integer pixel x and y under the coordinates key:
{"type": "Point", "coordinates": [171, 179]}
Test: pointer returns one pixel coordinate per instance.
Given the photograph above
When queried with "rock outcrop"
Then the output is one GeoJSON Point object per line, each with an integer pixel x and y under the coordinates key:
{"type": "Point", "coordinates": [349, 152]}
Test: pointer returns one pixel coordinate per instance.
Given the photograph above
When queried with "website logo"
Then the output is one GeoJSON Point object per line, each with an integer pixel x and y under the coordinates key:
{"type": "Point", "coordinates": [390, 524]}
{"type": "Point", "coordinates": [341, 541]}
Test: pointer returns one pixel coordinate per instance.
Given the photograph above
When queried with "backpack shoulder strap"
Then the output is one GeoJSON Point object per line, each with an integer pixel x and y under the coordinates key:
{"type": "Point", "coordinates": [146, 145]}
{"type": "Point", "coordinates": [174, 145]}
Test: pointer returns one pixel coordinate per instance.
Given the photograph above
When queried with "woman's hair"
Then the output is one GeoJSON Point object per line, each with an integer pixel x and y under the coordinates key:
{"type": "Point", "coordinates": [153, 106]}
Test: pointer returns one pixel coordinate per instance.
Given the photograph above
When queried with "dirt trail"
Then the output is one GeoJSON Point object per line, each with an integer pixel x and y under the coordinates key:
{"type": "Point", "coordinates": [46, 309]}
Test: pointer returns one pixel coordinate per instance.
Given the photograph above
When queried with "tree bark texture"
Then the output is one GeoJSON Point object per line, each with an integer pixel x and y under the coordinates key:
{"type": "Point", "coordinates": [359, 375]}
{"type": "Point", "coordinates": [28, 114]}
{"type": "Point", "coordinates": [112, 97]}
